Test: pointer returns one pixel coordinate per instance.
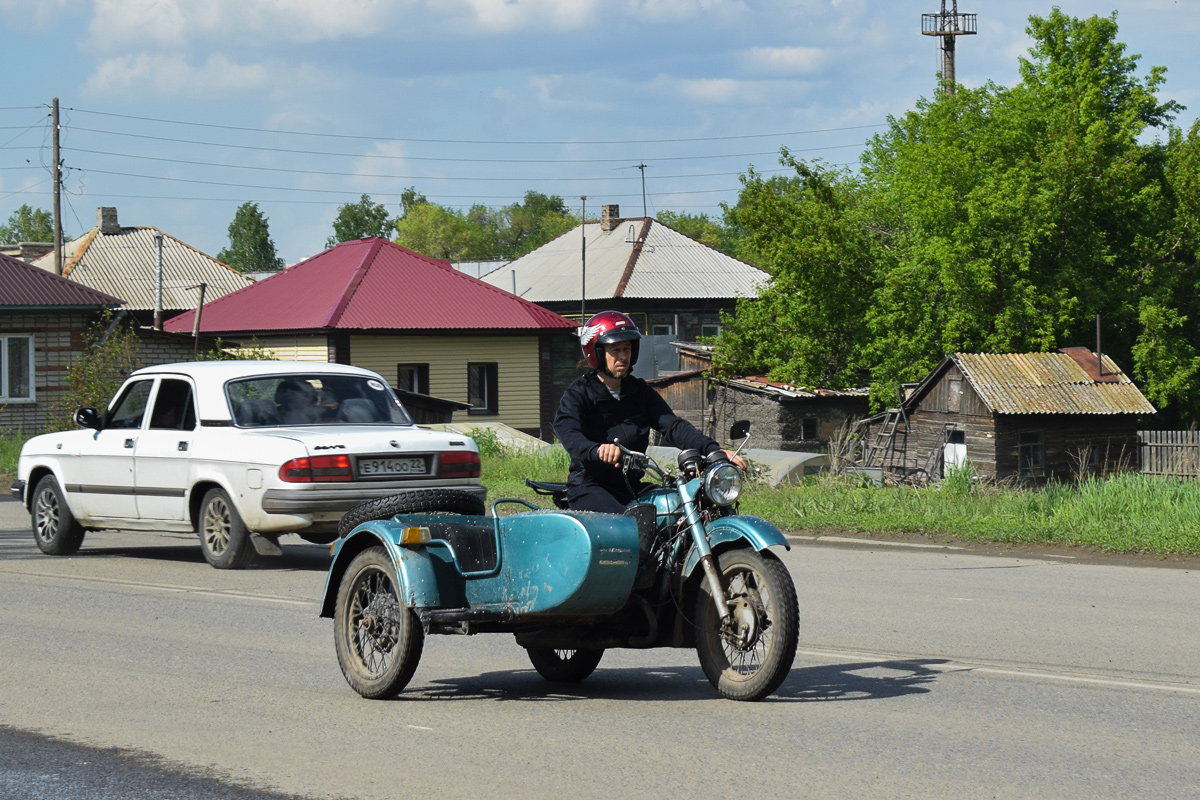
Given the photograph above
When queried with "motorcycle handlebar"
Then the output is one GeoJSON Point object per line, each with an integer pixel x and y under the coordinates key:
{"type": "Point", "coordinates": [634, 458]}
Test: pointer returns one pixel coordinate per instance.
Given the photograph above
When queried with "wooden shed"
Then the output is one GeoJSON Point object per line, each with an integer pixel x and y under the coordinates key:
{"type": "Point", "coordinates": [1026, 417]}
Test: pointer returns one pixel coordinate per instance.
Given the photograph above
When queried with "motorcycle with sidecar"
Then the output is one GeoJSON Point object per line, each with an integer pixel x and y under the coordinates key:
{"type": "Point", "coordinates": [679, 569]}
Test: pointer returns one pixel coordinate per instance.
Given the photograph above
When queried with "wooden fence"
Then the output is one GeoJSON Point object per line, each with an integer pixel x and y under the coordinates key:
{"type": "Point", "coordinates": [1169, 452]}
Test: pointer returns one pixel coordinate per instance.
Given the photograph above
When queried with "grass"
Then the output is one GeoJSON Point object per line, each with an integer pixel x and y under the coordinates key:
{"type": "Point", "coordinates": [1126, 513]}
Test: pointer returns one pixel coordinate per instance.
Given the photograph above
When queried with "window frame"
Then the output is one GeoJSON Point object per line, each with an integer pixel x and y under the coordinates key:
{"type": "Point", "coordinates": [1035, 466]}
{"type": "Point", "coordinates": [419, 371]}
{"type": "Point", "coordinates": [6, 366]}
{"type": "Point", "coordinates": [491, 380]}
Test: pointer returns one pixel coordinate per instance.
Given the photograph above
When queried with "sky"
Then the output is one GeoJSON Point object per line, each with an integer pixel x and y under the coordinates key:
{"type": "Point", "coordinates": [178, 111]}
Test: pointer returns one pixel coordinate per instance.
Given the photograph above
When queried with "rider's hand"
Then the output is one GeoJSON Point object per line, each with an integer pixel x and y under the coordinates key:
{"type": "Point", "coordinates": [737, 460]}
{"type": "Point", "coordinates": [609, 454]}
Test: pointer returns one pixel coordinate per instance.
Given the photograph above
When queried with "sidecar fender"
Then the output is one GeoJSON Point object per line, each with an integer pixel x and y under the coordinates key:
{"type": "Point", "coordinates": [756, 531]}
{"type": "Point", "coordinates": [415, 567]}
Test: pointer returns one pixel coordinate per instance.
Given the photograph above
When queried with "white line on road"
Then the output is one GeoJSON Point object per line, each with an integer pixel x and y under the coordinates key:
{"type": "Point", "coordinates": [170, 587]}
{"type": "Point", "coordinates": [950, 665]}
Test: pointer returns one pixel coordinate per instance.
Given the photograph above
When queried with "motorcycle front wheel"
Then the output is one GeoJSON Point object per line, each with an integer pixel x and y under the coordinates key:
{"type": "Point", "coordinates": [751, 657]}
{"type": "Point", "coordinates": [378, 639]}
{"type": "Point", "coordinates": [564, 666]}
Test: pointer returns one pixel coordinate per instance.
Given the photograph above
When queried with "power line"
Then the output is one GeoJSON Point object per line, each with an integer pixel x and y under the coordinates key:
{"type": "Point", "coordinates": [470, 141]}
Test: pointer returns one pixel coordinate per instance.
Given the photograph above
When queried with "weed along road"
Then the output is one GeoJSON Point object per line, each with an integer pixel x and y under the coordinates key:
{"type": "Point", "coordinates": [921, 673]}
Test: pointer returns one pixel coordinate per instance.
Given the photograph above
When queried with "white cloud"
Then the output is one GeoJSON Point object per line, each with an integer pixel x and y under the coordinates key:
{"type": "Point", "coordinates": [170, 75]}
{"type": "Point", "coordinates": [553, 91]}
{"type": "Point", "coordinates": [784, 60]}
{"type": "Point", "coordinates": [385, 158]}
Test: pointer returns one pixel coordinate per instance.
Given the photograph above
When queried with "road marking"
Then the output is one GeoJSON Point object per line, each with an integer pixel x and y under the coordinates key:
{"type": "Point", "coordinates": [170, 587]}
{"type": "Point", "coordinates": [935, 664]}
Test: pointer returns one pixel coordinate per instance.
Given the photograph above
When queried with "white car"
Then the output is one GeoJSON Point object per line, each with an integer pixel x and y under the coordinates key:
{"type": "Point", "coordinates": [240, 452]}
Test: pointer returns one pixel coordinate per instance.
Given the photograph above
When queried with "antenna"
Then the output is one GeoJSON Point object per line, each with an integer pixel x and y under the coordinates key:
{"type": "Point", "coordinates": [642, 166]}
{"type": "Point", "coordinates": [947, 26]}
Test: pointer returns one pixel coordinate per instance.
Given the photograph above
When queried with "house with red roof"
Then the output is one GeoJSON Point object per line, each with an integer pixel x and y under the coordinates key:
{"type": "Point", "coordinates": [417, 321]}
{"type": "Point", "coordinates": [43, 319]}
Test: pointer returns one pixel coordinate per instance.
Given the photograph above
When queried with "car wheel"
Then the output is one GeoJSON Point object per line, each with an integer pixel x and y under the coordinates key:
{"type": "Point", "coordinates": [224, 539]}
{"type": "Point", "coordinates": [416, 501]}
{"type": "Point", "coordinates": [55, 528]}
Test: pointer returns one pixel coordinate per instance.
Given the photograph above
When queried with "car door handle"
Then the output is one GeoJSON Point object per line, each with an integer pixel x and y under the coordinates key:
{"type": "Point", "coordinates": [129, 443]}
{"type": "Point", "coordinates": [182, 446]}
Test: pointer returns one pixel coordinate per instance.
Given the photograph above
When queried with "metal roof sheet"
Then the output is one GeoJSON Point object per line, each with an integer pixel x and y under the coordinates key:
{"type": "Point", "coordinates": [123, 264]}
{"type": "Point", "coordinates": [781, 389]}
{"type": "Point", "coordinates": [665, 265]}
{"type": "Point", "coordinates": [23, 285]}
{"type": "Point", "coordinates": [371, 284]}
{"type": "Point", "coordinates": [1049, 383]}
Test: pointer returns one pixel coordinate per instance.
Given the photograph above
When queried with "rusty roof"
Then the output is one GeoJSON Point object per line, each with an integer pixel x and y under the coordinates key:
{"type": "Point", "coordinates": [1065, 382]}
{"type": "Point", "coordinates": [763, 385]}
{"type": "Point", "coordinates": [24, 286]}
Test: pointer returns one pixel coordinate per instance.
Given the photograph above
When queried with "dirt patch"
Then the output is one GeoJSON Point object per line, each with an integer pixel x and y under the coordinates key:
{"type": "Point", "coordinates": [1078, 555]}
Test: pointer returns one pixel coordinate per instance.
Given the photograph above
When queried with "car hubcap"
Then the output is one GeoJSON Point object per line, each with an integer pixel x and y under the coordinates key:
{"type": "Point", "coordinates": [216, 527]}
{"type": "Point", "coordinates": [46, 508]}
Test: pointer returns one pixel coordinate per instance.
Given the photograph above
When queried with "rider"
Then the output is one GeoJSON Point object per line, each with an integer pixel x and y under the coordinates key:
{"type": "Point", "coordinates": [609, 403]}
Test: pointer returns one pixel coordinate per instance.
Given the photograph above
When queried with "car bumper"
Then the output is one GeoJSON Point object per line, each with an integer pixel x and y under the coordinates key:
{"type": "Point", "coordinates": [320, 500]}
{"type": "Point", "coordinates": [18, 490]}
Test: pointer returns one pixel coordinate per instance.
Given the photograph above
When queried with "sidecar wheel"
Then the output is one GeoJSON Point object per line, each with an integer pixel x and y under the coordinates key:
{"type": "Point", "coordinates": [414, 501]}
{"type": "Point", "coordinates": [752, 659]}
{"type": "Point", "coordinates": [378, 639]}
{"type": "Point", "coordinates": [564, 666]}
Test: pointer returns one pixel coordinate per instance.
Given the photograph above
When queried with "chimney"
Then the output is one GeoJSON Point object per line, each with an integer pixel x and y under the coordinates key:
{"type": "Point", "coordinates": [106, 219]}
{"type": "Point", "coordinates": [610, 216]}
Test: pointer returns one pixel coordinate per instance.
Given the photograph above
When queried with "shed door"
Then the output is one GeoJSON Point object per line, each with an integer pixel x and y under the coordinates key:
{"type": "Point", "coordinates": [955, 450]}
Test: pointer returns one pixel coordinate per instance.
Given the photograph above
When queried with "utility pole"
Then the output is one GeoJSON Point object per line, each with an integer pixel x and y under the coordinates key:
{"type": "Point", "coordinates": [642, 167]}
{"type": "Point", "coordinates": [947, 26]}
{"type": "Point", "coordinates": [58, 253]}
{"type": "Point", "coordinates": [583, 261]}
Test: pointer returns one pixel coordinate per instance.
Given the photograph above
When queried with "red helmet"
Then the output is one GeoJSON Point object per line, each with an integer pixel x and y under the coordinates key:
{"type": "Point", "coordinates": [605, 328]}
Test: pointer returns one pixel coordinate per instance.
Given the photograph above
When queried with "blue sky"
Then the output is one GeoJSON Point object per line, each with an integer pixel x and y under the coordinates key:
{"type": "Point", "coordinates": [178, 111]}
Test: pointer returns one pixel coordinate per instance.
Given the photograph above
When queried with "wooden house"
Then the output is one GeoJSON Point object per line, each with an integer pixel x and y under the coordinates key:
{"type": "Point", "coordinates": [1025, 417]}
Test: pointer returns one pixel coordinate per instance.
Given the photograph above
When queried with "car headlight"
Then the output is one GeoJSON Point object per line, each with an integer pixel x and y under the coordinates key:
{"type": "Point", "coordinates": [723, 483]}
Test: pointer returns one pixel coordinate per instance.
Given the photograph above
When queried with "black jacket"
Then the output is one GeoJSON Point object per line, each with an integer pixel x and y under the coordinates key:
{"type": "Point", "coordinates": [589, 416]}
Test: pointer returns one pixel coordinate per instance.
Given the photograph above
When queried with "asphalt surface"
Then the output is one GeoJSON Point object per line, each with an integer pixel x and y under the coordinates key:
{"type": "Point", "coordinates": [922, 672]}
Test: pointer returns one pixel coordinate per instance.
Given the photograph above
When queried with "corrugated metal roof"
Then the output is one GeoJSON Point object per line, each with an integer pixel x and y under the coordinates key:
{"type": "Point", "coordinates": [23, 285]}
{"type": "Point", "coordinates": [370, 284]}
{"type": "Point", "coordinates": [123, 264]}
{"type": "Point", "coordinates": [1049, 383]}
{"type": "Point", "coordinates": [667, 265]}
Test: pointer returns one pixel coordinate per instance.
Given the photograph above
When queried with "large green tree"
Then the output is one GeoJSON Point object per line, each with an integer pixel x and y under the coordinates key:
{"type": "Point", "coordinates": [250, 246]}
{"type": "Point", "coordinates": [997, 219]}
{"type": "Point", "coordinates": [481, 233]}
{"type": "Point", "coordinates": [359, 221]}
{"type": "Point", "coordinates": [27, 225]}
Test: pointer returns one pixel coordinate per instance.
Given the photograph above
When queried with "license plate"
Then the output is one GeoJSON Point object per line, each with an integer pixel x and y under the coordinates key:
{"type": "Point", "coordinates": [387, 467]}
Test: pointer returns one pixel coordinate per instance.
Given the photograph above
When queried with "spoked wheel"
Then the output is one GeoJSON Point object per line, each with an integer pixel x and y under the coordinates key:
{"type": "Point", "coordinates": [749, 657]}
{"type": "Point", "coordinates": [55, 528]}
{"type": "Point", "coordinates": [378, 639]}
{"type": "Point", "coordinates": [564, 666]}
{"type": "Point", "coordinates": [224, 540]}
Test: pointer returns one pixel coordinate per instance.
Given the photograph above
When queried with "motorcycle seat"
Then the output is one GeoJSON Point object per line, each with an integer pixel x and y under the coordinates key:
{"type": "Point", "coordinates": [474, 546]}
{"type": "Point", "coordinates": [546, 487]}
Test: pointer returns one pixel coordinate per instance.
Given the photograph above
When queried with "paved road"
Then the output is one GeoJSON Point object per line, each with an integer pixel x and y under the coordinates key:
{"type": "Point", "coordinates": [922, 673]}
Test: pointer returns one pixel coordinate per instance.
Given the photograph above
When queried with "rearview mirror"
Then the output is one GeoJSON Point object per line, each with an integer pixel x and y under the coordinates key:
{"type": "Point", "coordinates": [87, 417]}
{"type": "Point", "coordinates": [739, 430]}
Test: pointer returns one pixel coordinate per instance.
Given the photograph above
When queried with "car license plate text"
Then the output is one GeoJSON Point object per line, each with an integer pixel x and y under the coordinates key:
{"type": "Point", "coordinates": [384, 467]}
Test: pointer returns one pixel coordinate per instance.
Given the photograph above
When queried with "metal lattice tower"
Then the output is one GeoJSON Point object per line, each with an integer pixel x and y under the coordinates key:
{"type": "Point", "coordinates": [948, 25]}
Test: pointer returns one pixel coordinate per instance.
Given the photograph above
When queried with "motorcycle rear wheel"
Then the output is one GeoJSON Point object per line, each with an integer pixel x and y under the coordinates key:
{"type": "Point", "coordinates": [564, 666]}
{"type": "Point", "coordinates": [752, 659]}
{"type": "Point", "coordinates": [378, 639]}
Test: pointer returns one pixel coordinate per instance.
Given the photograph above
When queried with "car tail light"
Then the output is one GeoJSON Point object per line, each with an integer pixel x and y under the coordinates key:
{"type": "Point", "coordinates": [318, 469]}
{"type": "Point", "coordinates": [460, 464]}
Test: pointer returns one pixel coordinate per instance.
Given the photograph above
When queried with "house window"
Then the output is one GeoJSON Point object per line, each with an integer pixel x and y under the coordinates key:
{"type": "Point", "coordinates": [808, 428]}
{"type": "Point", "coordinates": [16, 367]}
{"type": "Point", "coordinates": [710, 329]}
{"type": "Point", "coordinates": [482, 380]}
{"type": "Point", "coordinates": [413, 378]}
{"type": "Point", "coordinates": [662, 330]}
{"type": "Point", "coordinates": [1031, 454]}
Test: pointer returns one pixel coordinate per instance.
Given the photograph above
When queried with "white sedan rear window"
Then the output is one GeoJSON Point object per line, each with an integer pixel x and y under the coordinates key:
{"type": "Point", "coordinates": [313, 400]}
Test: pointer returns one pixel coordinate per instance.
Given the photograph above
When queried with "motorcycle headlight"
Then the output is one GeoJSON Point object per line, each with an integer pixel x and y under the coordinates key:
{"type": "Point", "coordinates": [723, 483]}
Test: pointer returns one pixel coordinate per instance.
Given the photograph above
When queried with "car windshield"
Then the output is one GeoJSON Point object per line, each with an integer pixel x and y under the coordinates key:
{"type": "Point", "coordinates": [313, 399]}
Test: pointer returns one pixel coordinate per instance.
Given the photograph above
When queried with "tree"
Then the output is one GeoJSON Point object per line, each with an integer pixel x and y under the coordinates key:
{"type": "Point", "coordinates": [250, 246]}
{"type": "Point", "coordinates": [524, 227]}
{"type": "Point", "coordinates": [359, 221]}
{"type": "Point", "coordinates": [28, 225]}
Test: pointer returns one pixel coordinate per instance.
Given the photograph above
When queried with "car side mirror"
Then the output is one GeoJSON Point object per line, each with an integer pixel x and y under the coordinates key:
{"type": "Point", "coordinates": [739, 430]}
{"type": "Point", "coordinates": [88, 418]}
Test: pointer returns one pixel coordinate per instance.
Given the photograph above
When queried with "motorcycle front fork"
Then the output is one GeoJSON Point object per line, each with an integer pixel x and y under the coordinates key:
{"type": "Point", "coordinates": [708, 561]}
